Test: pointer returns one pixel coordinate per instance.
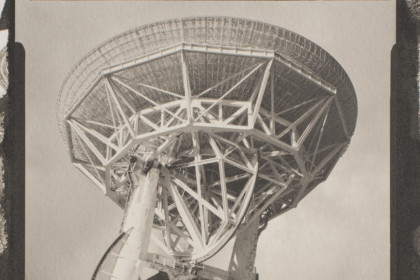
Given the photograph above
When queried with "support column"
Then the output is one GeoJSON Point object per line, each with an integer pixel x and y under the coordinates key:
{"type": "Point", "coordinates": [244, 251]}
{"type": "Point", "coordinates": [138, 222]}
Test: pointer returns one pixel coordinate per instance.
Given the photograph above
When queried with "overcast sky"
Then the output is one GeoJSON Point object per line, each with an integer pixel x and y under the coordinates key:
{"type": "Point", "coordinates": [340, 231]}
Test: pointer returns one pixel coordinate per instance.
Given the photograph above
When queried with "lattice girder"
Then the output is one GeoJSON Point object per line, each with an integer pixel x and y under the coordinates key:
{"type": "Point", "coordinates": [230, 148]}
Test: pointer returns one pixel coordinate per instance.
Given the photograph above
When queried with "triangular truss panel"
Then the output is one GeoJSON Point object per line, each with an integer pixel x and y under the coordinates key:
{"type": "Point", "coordinates": [94, 109]}
{"type": "Point", "coordinates": [230, 78]}
{"type": "Point", "coordinates": [335, 123]}
{"type": "Point", "coordinates": [160, 79]}
{"type": "Point", "coordinates": [213, 74]}
{"type": "Point", "coordinates": [293, 94]}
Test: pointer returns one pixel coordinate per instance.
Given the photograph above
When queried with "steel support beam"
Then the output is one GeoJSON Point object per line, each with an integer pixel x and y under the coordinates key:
{"type": "Point", "coordinates": [138, 220]}
{"type": "Point", "coordinates": [242, 261]}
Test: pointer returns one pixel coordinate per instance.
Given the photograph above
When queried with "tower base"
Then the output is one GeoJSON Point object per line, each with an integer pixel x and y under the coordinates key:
{"type": "Point", "coordinates": [171, 270]}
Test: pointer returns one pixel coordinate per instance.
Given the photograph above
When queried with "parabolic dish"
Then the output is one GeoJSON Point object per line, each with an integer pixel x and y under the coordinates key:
{"type": "Point", "coordinates": [246, 118]}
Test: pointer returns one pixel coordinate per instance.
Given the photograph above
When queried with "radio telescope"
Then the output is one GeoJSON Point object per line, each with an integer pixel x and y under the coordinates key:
{"type": "Point", "coordinates": [202, 130]}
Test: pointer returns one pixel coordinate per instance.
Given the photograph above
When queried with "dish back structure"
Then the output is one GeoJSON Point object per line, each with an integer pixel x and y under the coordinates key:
{"type": "Point", "coordinates": [243, 117]}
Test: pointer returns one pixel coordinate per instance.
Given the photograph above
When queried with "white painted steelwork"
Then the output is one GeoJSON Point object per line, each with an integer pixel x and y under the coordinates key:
{"type": "Point", "coordinates": [242, 130]}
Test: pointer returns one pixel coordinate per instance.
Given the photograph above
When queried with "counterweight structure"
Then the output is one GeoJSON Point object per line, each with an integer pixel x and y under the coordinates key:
{"type": "Point", "coordinates": [203, 129]}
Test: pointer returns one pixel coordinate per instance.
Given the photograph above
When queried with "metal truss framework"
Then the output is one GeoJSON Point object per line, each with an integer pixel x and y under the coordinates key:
{"type": "Point", "coordinates": [225, 162]}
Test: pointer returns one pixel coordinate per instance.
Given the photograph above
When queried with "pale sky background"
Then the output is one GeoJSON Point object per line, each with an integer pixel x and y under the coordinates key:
{"type": "Point", "coordinates": [340, 231]}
